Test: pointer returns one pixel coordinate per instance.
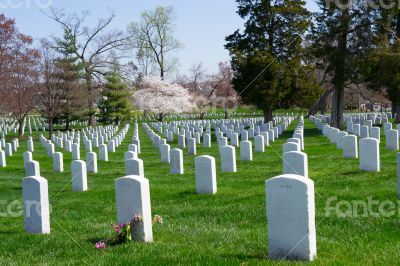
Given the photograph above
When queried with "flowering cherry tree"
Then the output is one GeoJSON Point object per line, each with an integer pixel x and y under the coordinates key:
{"type": "Point", "coordinates": [162, 97]}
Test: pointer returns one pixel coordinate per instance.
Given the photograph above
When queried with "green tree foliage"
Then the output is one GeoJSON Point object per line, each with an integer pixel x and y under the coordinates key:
{"type": "Point", "coordinates": [74, 105]}
{"type": "Point", "coordinates": [267, 56]}
{"type": "Point", "coordinates": [382, 67]}
{"type": "Point", "coordinates": [341, 38]}
{"type": "Point", "coordinates": [115, 103]}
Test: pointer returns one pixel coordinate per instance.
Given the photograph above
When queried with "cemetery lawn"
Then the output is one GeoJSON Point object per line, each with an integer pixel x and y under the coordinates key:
{"type": "Point", "coordinates": [228, 228]}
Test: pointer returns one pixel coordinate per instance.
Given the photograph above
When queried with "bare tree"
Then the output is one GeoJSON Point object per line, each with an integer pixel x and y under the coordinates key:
{"type": "Point", "coordinates": [197, 74]}
{"type": "Point", "coordinates": [51, 87]}
{"type": "Point", "coordinates": [153, 37]}
{"type": "Point", "coordinates": [222, 91]}
{"type": "Point", "coordinates": [90, 46]}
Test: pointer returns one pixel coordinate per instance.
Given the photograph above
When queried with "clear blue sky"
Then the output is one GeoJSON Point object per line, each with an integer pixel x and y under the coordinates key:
{"type": "Point", "coordinates": [201, 24]}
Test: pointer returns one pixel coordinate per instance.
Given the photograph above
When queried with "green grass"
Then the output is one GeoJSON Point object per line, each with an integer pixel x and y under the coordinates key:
{"type": "Point", "coordinates": [228, 228]}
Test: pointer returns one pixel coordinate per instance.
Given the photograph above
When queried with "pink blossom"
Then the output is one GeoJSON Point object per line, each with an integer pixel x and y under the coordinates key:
{"type": "Point", "coordinates": [101, 245]}
{"type": "Point", "coordinates": [118, 228]}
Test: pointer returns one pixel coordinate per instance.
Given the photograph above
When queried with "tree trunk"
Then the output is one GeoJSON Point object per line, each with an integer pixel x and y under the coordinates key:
{"type": "Point", "coordinates": [160, 117]}
{"type": "Point", "coordinates": [91, 102]}
{"type": "Point", "coordinates": [397, 108]}
{"type": "Point", "coordinates": [202, 116]}
{"type": "Point", "coordinates": [226, 113]}
{"type": "Point", "coordinates": [394, 108]}
{"type": "Point", "coordinates": [268, 115]}
{"type": "Point", "coordinates": [340, 73]}
{"type": "Point", "coordinates": [67, 124]}
{"type": "Point", "coordinates": [21, 127]}
{"type": "Point", "coordinates": [50, 127]}
{"type": "Point", "coordinates": [321, 103]}
{"type": "Point", "coordinates": [337, 107]}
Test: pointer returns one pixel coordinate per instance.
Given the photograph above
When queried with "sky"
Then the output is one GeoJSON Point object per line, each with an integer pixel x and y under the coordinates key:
{"type": "Point", "coordinates": [201, 24]}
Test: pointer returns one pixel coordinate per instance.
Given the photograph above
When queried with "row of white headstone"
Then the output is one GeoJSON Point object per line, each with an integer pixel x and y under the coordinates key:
{"type": "Point", "coordinates": [290, 197]}
{"type": "Point", "coordinates": [35, 187]}
{"type": "Point", "coordinates": [369, 147]}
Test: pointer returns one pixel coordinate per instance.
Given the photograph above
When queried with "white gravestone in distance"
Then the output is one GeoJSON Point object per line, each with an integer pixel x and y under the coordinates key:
{"type": "Point", "coordinates": [32, 168]}
{"type": "Point", "coordinates": [392, 140]}
{"type": "Point", "coordinates": [176, 161]}
{"type": "Point", "coordinates": [246, 152]}
{"type": "Point", "coordinates": [3, 162]}
{"type": "Point", "coordinates": [58, 162]}
{"type": "Point", "coordinates": [79, 176]}
{"type": "Point", "coordinates": [134, 167]}
{"type": "Point", "coordinates": [369, 155]}
{"type": "Point", "coordinates": [295, 163]}
{"type": "Point", "coordinates": [259, 143]}
{"type": "Point", "coordinates": [228, 159]}
{"type": "Point", "coordinates": [350, 146]}
{"type": "Point", "coordinates": [91, 161]}
{"type": "Point", "coordinates": [206, 180]}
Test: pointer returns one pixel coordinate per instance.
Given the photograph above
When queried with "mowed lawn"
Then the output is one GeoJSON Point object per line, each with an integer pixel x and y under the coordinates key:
{"type": "Point", "coordinates": [228, 228]}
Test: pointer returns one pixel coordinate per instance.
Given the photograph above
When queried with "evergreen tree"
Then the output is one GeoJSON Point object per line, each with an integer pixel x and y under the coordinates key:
{"type": "Point", "coordinates": [267, 56]}
{"type": "Point", "coordinates": [382, 67]}
{"type": "Point", "coordinates": [115, 102]}
{"type": "Point", "coordinates": [74, 105]}
{"type": "Point", "coordinates": [341, 38]}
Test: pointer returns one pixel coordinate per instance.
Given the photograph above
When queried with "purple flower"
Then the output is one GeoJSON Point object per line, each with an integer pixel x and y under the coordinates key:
{"type": "Point", "coordinates": [118, 228]}
{"type": "Point", "coordinates": [101, 245]}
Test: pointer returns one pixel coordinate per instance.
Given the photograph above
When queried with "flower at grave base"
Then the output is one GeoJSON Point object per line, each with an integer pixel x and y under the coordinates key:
{"type": "Point", "coordinates": [101, 245]}
{"type": "Point", "coordinates": [118, 228]}
{"type": "Point", "coordinates": [137, 219]}
{"type": "Point", "coordinates": [158, 219]}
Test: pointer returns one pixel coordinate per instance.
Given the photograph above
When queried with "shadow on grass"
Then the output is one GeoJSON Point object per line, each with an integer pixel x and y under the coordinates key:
{"type": "Point", "coordinates": [350, 173]}
{"type": "Point", "coordinates": [312, 132]}
{"type": "Point", "coordinates": [261, 257]}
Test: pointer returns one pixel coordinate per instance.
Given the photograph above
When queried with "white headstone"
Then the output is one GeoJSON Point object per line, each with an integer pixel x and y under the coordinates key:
{"type": "Point", "coordinates": [392, 140]}
{"type": "Point", "coordinates": [32, 168]}
{"type": "Point", "coordinates": [206, 180]}
{"type": "Point", "coordinates": [103, 152]}
{"type": "Point", "coordinates": [79, 176]}
{"type": "Point", "coordinates": [176, 161]}
{"type": "Point", "coordinates": [207, 141]}
{"type": "Point", "coordinates": [246, 152]}
{"type": "Point", "coordinates": [375, 132]}
{"type": "Point", "coordinates": [27, 156]}
{"type": "Point", "coordinates": [350, 146]}
{"type": "Point", "coordinates": [134, 167]}
{"type": "Point", "coordinates": [91, 161]}
{"type": "Point", "coordinates": [3, 162]}
{"type": "Point", "coordinates": [228, 159]}
{"type": "Point", "coordinates": [369, 155]}
{"type": "Point", "coordinates": [133, 199]}
{"type": "Point", "coordinates": [290, 146]}
{"type": "Point", "coordinates": [58, 162]}
{"type": "Point", "coordinates": [36, 205]}
{"type": "Point", "coordinates": [291, 218]}
{"type": "Point", "coordinates": [192, 146]}
{"type": "Point", "coordinates": [259, 143]}
{"type": "Point", "coordinates": [295, 163]}
{"type": "Point", "coordinates": [164, 151]}
{"type": "Point", "coordinates": [130, 155]}
{"type": "Point", "coordinates": [76, 152]}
